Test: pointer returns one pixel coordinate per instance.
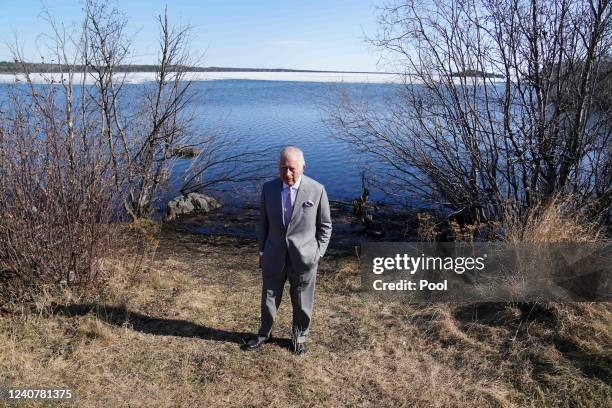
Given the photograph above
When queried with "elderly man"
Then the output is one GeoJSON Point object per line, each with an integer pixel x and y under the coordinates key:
{"type": "Point", "coordinates": [295, 228]}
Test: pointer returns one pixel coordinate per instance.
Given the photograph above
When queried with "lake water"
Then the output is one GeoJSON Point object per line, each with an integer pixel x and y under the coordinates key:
{"type": "Point", "coordinates": [260, 114]}
{"type": "Point", "coordinates": [270, 114]}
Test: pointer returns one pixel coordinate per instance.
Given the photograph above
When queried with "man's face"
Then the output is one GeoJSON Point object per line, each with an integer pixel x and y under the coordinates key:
{"type": "Point", "coordinates": [290, 169]}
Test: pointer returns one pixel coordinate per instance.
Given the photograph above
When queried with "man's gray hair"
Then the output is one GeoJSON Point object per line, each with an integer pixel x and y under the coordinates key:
{"type": "Point", "coordinates": [293, 151]}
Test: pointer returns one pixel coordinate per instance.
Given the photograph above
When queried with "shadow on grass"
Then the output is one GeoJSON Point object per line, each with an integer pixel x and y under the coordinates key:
{"type": "Point", "coordinates": [122, 317]}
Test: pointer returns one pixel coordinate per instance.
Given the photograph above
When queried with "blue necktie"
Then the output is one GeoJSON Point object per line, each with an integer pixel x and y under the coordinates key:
{"type": "Point", "coordinates": [288, 208]}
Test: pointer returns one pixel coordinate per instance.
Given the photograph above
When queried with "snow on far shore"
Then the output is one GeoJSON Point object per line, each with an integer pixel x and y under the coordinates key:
{"type": "Point", "coordinates": [140, 77]}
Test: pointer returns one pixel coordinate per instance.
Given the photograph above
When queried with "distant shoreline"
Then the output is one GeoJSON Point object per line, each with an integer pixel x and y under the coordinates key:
{"type": "Point", "coordinates": [11, 70]}
{"type": "Point", "coordinates": [7, 67]}
{"type": "Point", "coordinates": [42, 73]}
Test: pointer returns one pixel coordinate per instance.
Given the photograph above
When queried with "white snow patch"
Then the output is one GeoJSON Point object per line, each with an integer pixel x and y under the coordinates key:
{"type": "Point", "coordinates": [140, 77]}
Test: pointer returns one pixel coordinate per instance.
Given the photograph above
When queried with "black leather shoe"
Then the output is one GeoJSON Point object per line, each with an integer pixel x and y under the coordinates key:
{"type": "Point", "coordinates": [300, 349]}
{"type": "Point", "coordinates": [256, 343]}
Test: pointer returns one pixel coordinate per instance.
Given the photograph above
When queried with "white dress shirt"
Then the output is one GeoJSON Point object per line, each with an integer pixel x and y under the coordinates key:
{"type": "Point", "coordinates": [286, 190]}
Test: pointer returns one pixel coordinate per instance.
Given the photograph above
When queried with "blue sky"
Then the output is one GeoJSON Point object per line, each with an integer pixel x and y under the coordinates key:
{"type": "Point", "coordinates": [307, 34]}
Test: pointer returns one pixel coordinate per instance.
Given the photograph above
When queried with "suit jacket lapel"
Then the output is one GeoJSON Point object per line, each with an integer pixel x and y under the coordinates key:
{"type": "Point", "coordinates": [299, 201]}
{"type": "Point", "coordinates": [277, 198]}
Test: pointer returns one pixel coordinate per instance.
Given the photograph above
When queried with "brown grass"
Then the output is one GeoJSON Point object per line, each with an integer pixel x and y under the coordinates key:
{"type": "Point", "coordinates": [169, 334]}
{"type": "Point", "coordinates": [555, 221]}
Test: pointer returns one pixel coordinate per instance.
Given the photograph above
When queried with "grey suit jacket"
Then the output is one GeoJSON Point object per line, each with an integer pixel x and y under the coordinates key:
{"type": "Point", "coordinates": [306, 237]}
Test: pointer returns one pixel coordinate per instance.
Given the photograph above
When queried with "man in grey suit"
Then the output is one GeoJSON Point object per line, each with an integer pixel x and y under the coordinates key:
{"type": "Point", "coordinates": [295, 228]}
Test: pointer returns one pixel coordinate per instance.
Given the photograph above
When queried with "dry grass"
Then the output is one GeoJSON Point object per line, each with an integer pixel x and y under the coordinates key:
{"type": "Point", "coordinates": [170, 335]}
{"type": "Point", "coordinates": [555, 221]}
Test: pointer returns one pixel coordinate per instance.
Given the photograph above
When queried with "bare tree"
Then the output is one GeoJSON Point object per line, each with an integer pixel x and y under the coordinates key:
{"type": "Point", "coordinates": [141, 131]}
{"type": "Point", "coordinates": [497, 112]}
{"type": "Point", "coordinates": [75, 156]}
{"type": "Point", "coordinates": [57, 199]}
{"type": "Point", "coordinates": [146, 132]}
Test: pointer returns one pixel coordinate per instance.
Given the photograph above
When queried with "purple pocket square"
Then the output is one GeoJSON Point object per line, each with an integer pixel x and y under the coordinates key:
{"type": "Point", "coordinates": [308, 204]}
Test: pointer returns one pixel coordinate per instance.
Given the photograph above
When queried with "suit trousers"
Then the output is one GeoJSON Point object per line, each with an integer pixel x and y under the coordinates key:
{"type": "Point", "coordinates": [301, 290]}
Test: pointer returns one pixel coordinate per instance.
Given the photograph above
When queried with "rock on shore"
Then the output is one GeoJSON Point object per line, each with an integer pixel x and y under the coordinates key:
{"type": "Point", "coordinates": [192, 203]}
{"type": "Point", "coordinates": [186, 152]}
